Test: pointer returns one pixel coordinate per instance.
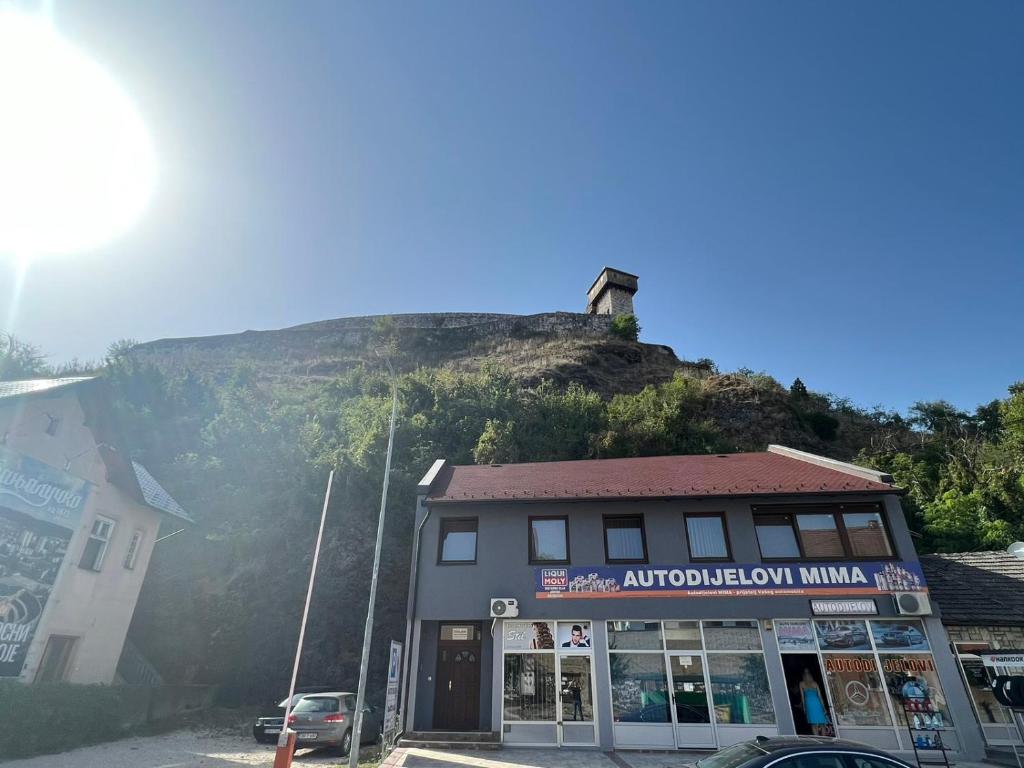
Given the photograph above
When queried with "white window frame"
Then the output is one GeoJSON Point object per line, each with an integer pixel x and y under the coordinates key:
{"type": "Point", "coordinates": [704, 653]}
{"type": "Point", "coordinates": [134, 545]}
{"type": "Point", "coordinates": [558, 653]}
{"type": "Point", "coordinates": [97, 566]}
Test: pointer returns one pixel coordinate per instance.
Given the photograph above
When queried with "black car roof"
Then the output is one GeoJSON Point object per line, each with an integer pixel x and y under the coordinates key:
{"type": "Point", "coordinates": [780, 746]}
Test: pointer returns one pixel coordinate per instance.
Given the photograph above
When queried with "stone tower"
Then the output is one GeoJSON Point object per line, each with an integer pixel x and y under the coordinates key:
{"type": "Point", "coordinates": [612, 293]}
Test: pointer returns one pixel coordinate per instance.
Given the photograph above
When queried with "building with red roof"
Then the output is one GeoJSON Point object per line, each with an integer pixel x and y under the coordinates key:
{"type": "Point", "coordinates": [672, 602]}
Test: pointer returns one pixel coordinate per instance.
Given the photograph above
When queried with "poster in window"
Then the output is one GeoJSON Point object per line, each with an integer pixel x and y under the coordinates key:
{"type": "Point", "coordinates": [574, 636]}
{"type": "Point", "coordinates": [842, 635]}
{"type": "Point", "coordinates": [794, 635]}
{"type": "Point", "coordinates": [528, 636]}
{"type": "Point", "coordinates": [906, 635]}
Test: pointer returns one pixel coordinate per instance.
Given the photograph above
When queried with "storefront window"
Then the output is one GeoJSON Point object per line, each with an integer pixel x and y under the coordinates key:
{"type": "Point", "coordinates": [899, 635]}
{"type": "Point", "coordinates": [732, 636]}
{"type": "Point", "coordinates": [979, 683]}
{"type": "Point", "coordinates": [739, 687]}
{"type": "Point", "coordinates": [689, 692]}
{"type": "Point", "coordinates": [682, 635]}
{"type": "Point", "coordinates": [639, 688]}
{"type": "Point", "coordinates": [529, 689]}
{"type": "Point", "coordinates": [912, 678]}
{"type": "Point", "coordinates": [858, 696]}
{"type": "Point", "coordinates": [577, 696]}
{"type": "Point", "coordinates": [634, 635]}
{"type": "Point", "coordinates": [842, 635]}
{"type": "Point", "coordinates": [794, 635]}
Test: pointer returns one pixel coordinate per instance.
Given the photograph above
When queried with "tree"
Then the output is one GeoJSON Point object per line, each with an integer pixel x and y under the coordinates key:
{"type": "Point", "coordinates": [798, 390]}
{"type": "Point", "coordinates": [626, 327]}
{"type": "Point", "coordinates": [20, 360]}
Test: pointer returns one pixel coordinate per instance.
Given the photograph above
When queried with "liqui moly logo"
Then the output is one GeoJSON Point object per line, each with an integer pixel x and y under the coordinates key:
{"type": "Point", "coordinates": [555, 577]}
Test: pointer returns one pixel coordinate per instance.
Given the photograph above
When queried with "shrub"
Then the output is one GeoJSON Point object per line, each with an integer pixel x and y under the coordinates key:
{"type": "Point", "coordinates": [626, 327]}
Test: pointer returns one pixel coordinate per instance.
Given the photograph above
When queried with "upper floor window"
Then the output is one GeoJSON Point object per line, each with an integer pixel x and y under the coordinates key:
{"type": "Point", "coordinates": [99, 541]}
{"type": "Point", "coordinates": [458, 540]}
{"type": "Point", "coordinates": [707, 537]}
{"type": "Point", "coordinates": [133, 551]}
{"type": "Point", "coordinates": [822, 533]}
{"type": "Point", "coordinates": [549, 540]}
{"type": "Point", "coordinates": [624, 539]}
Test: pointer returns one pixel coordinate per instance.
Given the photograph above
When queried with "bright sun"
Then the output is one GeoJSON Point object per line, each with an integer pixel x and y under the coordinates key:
{"type": "Point", "coordinates": [76, 164]}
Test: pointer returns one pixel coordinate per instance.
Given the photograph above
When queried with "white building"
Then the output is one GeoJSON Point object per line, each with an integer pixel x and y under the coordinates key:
{"type": "Point", "coordinates": [78, 522]}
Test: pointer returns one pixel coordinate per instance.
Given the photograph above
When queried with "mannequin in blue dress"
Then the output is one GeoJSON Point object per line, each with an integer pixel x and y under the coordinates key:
{"type": "Point", "coordinates": [814, 704]}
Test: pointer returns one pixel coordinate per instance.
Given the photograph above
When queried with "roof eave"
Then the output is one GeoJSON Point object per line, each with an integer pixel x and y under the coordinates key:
{"type": "Point", "coordinates": [686, 497]}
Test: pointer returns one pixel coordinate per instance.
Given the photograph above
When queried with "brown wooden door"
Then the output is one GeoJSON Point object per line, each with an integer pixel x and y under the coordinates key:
{"type": "Point", "coordinates": [457, 692]}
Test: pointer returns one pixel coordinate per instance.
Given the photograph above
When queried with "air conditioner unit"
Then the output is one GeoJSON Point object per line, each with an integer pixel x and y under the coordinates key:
{"type": "Point", "coordinates": [504, 607]}
{"type": "Point", "coordinates": [912, 604]}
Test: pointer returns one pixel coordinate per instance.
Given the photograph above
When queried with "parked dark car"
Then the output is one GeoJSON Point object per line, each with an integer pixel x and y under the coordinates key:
{"type": "Point", "coordinates": [326, 720]}
{"type": "Point", "coordinates": [801, 752]}
{"type": "Point", "coordinates": [267, 728]}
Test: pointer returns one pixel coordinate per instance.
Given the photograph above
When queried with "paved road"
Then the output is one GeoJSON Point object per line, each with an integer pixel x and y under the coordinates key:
{"type": "Point", "coordinates": [181, 749]}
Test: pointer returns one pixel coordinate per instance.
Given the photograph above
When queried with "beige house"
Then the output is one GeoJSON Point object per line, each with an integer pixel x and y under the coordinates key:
{"type": "Point", "coordinates": [78, 523]}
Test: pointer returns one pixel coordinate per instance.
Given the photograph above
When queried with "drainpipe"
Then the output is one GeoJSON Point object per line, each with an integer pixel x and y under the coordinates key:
{"type": "Point", "coordinates": [422, 489]}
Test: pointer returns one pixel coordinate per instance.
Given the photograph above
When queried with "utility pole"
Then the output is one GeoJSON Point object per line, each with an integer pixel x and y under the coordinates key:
{"type": "Point", "coordinates": [286, 741]}
{"type": "Point", "coordinates": [353, 753]}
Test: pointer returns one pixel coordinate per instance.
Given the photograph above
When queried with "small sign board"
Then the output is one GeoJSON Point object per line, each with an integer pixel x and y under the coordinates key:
{"type": "Point", "coordinates": [460, 633]}
{"type": "Point", "coordinates": [844, 608]}
{"type": "Point", "coordinates": [393, 689]}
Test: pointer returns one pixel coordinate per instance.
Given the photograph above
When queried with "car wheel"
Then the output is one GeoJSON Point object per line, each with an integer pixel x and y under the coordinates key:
{"type": "Point", "coordinates": [346, 744]}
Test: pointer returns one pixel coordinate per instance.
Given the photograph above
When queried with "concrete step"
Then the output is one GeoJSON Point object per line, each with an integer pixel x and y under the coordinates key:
{"type": "Point", "coordinates": [1003, 756]}
{"type": "Point", "coordinates": [464, 736]}
{"type": "Point", "coordinates": [427, 744]}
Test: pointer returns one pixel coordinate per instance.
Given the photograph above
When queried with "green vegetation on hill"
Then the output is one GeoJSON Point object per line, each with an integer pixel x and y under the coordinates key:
{"type": "Point", "coordinates": [245, 445]}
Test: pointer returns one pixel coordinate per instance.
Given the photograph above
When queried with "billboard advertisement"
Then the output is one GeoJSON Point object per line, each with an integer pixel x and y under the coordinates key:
{"type": "Point", "coordinates": [40, 507]}
{"type": "Point", "coordinates": [760, 580]}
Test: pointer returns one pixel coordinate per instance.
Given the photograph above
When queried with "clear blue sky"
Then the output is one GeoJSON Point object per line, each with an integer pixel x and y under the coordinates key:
{"type": "Point", "coordinates": [819, 189]}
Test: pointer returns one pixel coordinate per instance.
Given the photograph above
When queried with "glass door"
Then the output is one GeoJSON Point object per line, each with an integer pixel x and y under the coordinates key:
{"type": "Point", "coordinates": [576, 725]}
{"type": "Point", "coordinates": [691, 709]}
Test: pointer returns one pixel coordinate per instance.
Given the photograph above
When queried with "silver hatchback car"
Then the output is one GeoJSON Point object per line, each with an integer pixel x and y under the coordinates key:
{"type": "Point", "coordinates": [327, 719]}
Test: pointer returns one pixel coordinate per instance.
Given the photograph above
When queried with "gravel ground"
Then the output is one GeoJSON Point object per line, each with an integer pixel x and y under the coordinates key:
{"type": "Point", "coordinates": [181, 749]}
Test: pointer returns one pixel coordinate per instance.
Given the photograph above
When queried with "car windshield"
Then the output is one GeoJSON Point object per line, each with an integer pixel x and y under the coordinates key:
{"type": "Point", "coordinates": [733, 756]}
{"type": "Point", "coordinates": [295, 700]}
{"type": "Point", "coordinates": [317, 704]}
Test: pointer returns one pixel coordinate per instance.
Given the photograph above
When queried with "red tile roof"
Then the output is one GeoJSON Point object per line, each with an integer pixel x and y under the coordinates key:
{"type": "Point", "coordinates": [735, 474]}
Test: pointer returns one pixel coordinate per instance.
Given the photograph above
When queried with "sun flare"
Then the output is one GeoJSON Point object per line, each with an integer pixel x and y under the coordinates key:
{"type": "Point", "coordinates": [76, 163]}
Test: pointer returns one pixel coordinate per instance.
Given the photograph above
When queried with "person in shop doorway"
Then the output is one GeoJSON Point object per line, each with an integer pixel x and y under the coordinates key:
{"type": "Point", "coordinates": [577, 700]}
{"type": "Point", "coordinates": [814, 704]}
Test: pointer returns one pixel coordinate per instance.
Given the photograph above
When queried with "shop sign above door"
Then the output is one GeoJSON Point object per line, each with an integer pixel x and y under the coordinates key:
{"type": "Point", "coordinates": [844, 608]}
{"type": "Point", "coordinates": [761, 580]}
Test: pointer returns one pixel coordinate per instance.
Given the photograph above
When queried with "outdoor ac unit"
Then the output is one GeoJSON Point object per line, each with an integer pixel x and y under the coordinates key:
{"type": "Point", "coordinates": [504, 607]}
{"type": "Point", "coordinates": [912, 604]}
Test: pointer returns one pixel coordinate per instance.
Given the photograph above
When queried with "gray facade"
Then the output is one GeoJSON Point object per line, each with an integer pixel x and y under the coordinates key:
{"type": "Point", "coordinates": [451, 593]}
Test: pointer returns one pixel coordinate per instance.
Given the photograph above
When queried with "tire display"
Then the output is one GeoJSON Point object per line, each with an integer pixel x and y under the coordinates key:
{"type": "Point", "coordinates": [1009, 690]}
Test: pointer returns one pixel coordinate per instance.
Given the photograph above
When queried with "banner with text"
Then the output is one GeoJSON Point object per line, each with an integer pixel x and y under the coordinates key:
{"type": "Point", "coordinates": [762, 580]}
{"type": "Point", "coordinates": [40, 507]}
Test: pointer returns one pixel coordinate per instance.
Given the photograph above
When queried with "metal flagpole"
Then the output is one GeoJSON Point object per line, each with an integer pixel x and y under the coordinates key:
{"type": "Point", "coordinates": [283, 757]}
{"type": "Point", "coordinates": [353, 753]}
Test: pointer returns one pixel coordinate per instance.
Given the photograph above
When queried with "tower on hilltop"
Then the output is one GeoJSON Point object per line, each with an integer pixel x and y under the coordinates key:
{"type": "Point", "coordinates": [612, 293]}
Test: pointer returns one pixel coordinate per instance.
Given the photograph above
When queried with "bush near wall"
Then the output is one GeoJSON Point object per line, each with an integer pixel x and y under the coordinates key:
{"type": "Point", "coordinates": [55, 717]}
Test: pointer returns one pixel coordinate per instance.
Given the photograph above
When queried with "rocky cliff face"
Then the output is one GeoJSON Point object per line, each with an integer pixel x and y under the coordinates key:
{"type": "Point", "coordinates": [563, 346]}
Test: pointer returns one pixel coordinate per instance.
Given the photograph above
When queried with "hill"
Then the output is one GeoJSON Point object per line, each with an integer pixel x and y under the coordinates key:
{"type": "Point", "coordinates": [243, 429]}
